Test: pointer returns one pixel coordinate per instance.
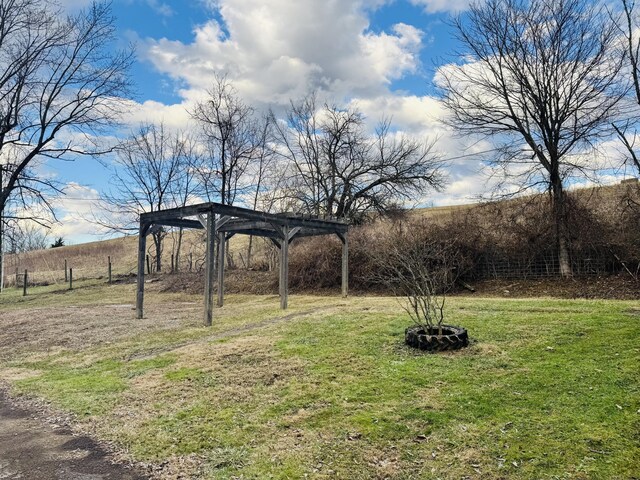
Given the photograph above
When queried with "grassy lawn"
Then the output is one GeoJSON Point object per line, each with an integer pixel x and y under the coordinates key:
{"type": "Point", "coordinates": [549, 389]}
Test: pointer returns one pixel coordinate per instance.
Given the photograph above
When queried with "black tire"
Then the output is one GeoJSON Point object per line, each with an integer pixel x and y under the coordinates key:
{"type": "Point", "coordinates": [452, 338]}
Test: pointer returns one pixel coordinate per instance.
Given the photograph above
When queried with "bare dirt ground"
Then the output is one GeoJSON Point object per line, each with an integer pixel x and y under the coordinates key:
{"type": "Point", "coordinates": [75, 327]}
{"type": "Point", "coordinates": [33, 449]}
{"type": "Point", "coordinates": [611, 287]}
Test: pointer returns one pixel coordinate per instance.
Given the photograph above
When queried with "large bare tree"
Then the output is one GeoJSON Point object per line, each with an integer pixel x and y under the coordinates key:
{"type": "Point", "coordinates": [60, 83]}
{"type": "Point", "coordinates": [540, 79]}
{"type": "Point", "coordinates": [338, 168]}
{"type": "Point", "coordinates": [628, 128]}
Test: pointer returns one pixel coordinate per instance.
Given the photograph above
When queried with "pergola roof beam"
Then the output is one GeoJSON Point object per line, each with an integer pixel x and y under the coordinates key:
{"type": "Point", "coordinates": [244, 213]}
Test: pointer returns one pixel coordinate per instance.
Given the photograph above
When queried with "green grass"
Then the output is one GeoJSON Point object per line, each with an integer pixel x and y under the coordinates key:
{"type": "Point", "coordinates": [548, 389]}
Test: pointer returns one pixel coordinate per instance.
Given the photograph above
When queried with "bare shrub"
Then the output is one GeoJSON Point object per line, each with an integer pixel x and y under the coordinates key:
{"type": "Point", "coordinates": [420, 268]}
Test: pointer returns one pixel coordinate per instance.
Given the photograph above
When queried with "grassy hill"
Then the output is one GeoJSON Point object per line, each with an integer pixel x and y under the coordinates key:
{"type": "Point", "coordinates": [89, 260]}
{"type": "Point", "coordinates": [596, 198]}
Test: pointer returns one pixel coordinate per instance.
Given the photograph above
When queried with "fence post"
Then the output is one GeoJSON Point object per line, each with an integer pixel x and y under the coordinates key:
{"type": "Point", "coordinates": [71, 279]}
{"type": "Point", "coordinates": [66, 273]}
{"type": "Point", "coordinates": [109, 267]}
{"type": "Point", "coordinates": [190, 261]}
{"type": "Point", "coordinates": [148, 266]}
{"type": "Point", "coordinates": [172, 264]}
{"type": "Point", "coordinates": [24, 284]}
{"type": "Point", "coordinates": [17, 278]}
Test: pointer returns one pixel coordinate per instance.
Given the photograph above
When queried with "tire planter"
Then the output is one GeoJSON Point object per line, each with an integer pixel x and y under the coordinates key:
{"type": "Point", "coordinates": [452, 338]}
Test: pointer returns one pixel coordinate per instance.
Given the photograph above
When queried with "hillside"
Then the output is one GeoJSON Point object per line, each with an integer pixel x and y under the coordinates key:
{"type": "Point", "coordinates": [89, 260]}
{"type": "Point", "coordinates": [596, 198]}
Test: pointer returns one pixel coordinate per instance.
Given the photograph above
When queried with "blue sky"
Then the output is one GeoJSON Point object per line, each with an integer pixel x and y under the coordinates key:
{"type": "Point", "coordinates": [379, 55]}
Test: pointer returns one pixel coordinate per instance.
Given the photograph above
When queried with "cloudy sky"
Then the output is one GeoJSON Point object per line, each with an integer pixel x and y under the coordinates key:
{"type": "Point", "coordinates": [381, 55]}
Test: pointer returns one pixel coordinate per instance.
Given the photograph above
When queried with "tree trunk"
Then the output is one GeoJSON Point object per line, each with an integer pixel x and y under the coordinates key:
{"type": "Point", "coordinates": [178, 247]}
{"type": "Point", "coordinates": [2, 203]}
{"type": "Point", "coordinates": [561, 226]}
{"type": "Point", "coordinates": [157, 240]}
{"type": "Point", "coordinates": [249, 252]}
{"type": "Point", "coordinates": [1, 245]}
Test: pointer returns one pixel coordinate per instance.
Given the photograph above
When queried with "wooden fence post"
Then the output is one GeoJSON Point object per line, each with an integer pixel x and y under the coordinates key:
{"type": "Point", "coordinates": [221, 255]}
{"type": "Point", "coordinates": [190, 261]}
{"type": "Point", "coordinates": [24, 284]}
{"type": "Point", "coordinates": [210, 268]}
{"type": "Point", "coordinates": [109, 267]}
{"type": "Point", "coordinates": [345, 264]}
{"type": "Point", "coordinates": [66, 273]}
{"type": "Point", "coordinates": [17, 278]}
{"type": "Point", "coordinates": [284, 268]}
{"type": "Point", "coordinates": [148, 267]}
{"type": "Point", "coordinates": [142, 246]}
{"type": "Point", "coordinates": [71, 279]}
{"type": "Point", "coordinates": [172, 264]}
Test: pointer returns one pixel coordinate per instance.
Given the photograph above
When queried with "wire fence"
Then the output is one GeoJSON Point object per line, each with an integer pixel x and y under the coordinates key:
{"type": "Point", "coordinates": [496, 265]}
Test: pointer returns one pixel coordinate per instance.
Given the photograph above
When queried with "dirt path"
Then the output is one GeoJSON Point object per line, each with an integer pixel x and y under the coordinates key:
{"type": "Point", "coordinates": [31, 449]}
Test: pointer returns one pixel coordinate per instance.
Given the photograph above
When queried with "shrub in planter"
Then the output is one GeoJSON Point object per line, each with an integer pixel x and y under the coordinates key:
{"type": "Point", "coordinates": [421, 271]}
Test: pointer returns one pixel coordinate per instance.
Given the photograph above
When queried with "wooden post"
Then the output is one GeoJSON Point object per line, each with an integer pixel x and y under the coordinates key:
{"type": "Point", "coordinates": [210, 268]}
{"type": "Point", "coordinates": [142, 247]}
{"type": "Point", "coordinates": [221, 253]}
{"type": "Point", "coordinates": [17, 278]}
{"type": "Point", "coordinates": [172, 264]}
{"type": "Point", "coordinates": [284, 268]}
{"type": "Point", "coordinates": [70, 278]}
{"type": "Point", "coordinates": [24, 284]}
{"type": "Point", "coordinates": [66, 272]}
{"type": "Point", "coordinates": [148, 265]}
{"type": "Point", "coordinates": [190, 261]}
{"type": "Point", "coordinates": [109, 267]}
{"type": "Point", "coordinates": [345, 264]}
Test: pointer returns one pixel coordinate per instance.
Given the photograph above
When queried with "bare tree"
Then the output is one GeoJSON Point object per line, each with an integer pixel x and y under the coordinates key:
{"type": "Point", "coordinates": [148, 174]}
{"type": "Point", "coordinates": [264, 178]}
{"type": "Point", "coordinates": [339, 169]}
{"type": "Point", "coordinates": [26, 236]}
{"type": "Point", "coordinates": [628, 129]}
{"type": "Point", "coordinates": [185, 186]}
{"type": "Point", "coordinates": [418, 268]}
{"type": "Point", "coordinates": [60, 83]}
{"type": "Point", "coordinates": [231, 137]}
{"type": "Point", "coordinates": [540, 80]}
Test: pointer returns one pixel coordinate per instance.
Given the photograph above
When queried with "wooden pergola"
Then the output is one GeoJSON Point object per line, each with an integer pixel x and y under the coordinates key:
{"type": "Point", "coordinates": [223, 222]}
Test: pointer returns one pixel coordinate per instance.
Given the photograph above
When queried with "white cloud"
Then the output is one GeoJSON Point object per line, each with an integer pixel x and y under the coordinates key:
{"type": "Point", "coordinates": [74, 211]}
{"type": "Point", "coordinates": [284, 49]}
{"type": "Point", "coordinates": [175, 116]}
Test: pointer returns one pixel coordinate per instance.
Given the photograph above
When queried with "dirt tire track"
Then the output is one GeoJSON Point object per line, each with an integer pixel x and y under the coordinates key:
{"type": "Point", "coordinates": [222, 335]}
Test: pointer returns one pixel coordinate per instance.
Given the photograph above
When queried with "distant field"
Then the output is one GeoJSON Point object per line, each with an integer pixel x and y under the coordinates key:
{"type": "Point", "coordinates": [89, 260]}
{"type": "Point", "coordinates": [547, 389]}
